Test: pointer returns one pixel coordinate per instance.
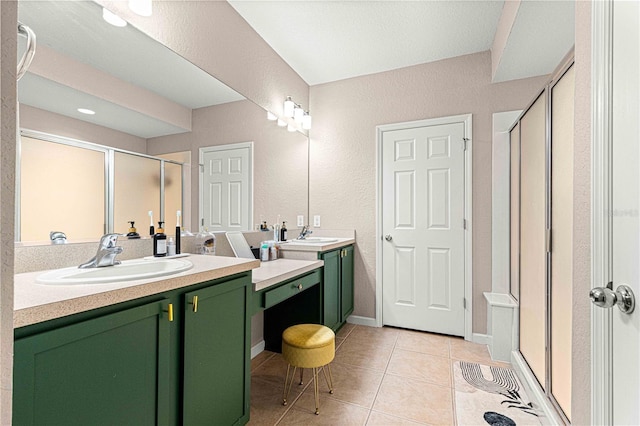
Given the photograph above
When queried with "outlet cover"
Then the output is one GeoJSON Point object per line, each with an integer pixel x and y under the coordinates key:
{"type": "Point", "coordinates": [316, 221]}
{"type": "Point", "coordinates": [300, 220]}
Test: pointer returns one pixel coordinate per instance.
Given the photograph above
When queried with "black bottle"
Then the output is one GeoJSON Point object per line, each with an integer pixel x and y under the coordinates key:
{"type": "Point", "coordinates": [283, 232]}
{"type": "Point", "coordinates": [160, 242]}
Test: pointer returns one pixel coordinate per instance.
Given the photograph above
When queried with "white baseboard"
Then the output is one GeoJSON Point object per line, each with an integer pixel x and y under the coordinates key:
{"type": "Point", "coordinates": [358, 320]}
{"type": "Point", "coordinates": [255, 350]}
{"type": "Point", "coordinates": [549, 416]}
{"type": "Point", "coordinates": [482, 339]}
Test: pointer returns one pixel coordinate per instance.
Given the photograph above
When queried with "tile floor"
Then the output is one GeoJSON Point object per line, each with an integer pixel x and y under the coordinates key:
{"type": "Point", "coordinates": [381, 376]}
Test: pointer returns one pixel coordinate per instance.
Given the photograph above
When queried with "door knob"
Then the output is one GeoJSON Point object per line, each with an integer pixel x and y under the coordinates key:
{"type": "Point", "coordinates": [605, 297]}
{"type": "Point", "coordinates": [388, 237]}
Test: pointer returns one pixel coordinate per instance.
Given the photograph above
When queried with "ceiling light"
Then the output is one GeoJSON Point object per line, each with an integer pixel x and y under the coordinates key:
{"type": "Point", "coordinates": [113, 19]}
{"type": "Point", "coordinates": [86, 111]}
{"type": "Point", "coordinates": [271, 116]}
{"type": "Point", "coordinates": [281, 123]}
{"type": "Point", "coordinates": [291, 128]}
{"type": "Point", "coordinates": [141, 7]}
{"type": "Point", "coordinates": [289, 105]}
{"type": "Point", "coordinates": [306, 121]}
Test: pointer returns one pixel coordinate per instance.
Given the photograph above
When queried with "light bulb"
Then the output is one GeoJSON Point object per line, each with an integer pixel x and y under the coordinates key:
{"type": "Point", "coordinates": [271, 116]}
{"type": "Point", "coordinates": [291, 128]}
{"type": "Point", "coordinates": [113, 19]}
{"type": "Point", "coordinates": [141, 7]}
{"type": "Point", "coordinates": [86, 111]}
{"type": "Point", "coordinates": [306, 122]}
{"type": "Point", "coordinates": [298, 113]}
{"type": "Point", "coordinates": [281, 123]}
{"type": "Point", "coordinates": [288, 107]}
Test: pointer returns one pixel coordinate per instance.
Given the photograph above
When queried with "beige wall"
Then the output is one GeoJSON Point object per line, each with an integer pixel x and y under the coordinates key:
{"type": "Point", "coordinates": [8, 60]}
{"type": "Point", "coordinates": [280, 157]}
{"type": "Point", "coordinates": [60, 125]}
{"type": "Point", "coordinates": [343, 151]}
{"type": "Point", "coordinates": [581, 335]}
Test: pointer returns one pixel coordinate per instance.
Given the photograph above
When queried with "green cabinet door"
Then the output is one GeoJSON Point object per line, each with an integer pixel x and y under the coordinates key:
{"type": "Point", "coordinates": [346, 283]}
{"type": "Point", "coordinates": [110, 370]}
{"type": "Point", "coordinates": [216, 354]}
{"type": "Point", "coordinates": [331, 289]}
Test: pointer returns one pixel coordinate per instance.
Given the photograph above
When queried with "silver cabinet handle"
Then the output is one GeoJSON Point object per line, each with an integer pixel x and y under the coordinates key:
{"type": "Point", "coordinates": [605, 297]}
{"type": "Point", "coordinates": [388, 237]}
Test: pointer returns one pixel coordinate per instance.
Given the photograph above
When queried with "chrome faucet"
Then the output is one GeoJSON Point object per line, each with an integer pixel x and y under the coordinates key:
{"type": "Point", "coordinates": [107, 252]}
{"type": "Point", "coordinates": [304, 232]}
{"type": "Point", "coordinates": [57, 237]}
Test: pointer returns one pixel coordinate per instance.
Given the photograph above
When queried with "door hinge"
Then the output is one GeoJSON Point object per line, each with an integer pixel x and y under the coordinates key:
{"type": "Point", "coordinates": [548, 240]}
{"type": "Point", "coordinates": [464, 302]}
{"type": "Point", "coordinates": [202, 221]}
{"type": "Point", "coordinates": [464, 223]}
{"type": "Point", "coordinates": [464, 143]}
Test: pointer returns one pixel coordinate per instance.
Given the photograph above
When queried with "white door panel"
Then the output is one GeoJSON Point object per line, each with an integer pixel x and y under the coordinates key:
{"type": "Point", "coordinates": [226, 188]}
{"type": "Point", "coordinates": [626, 188]}
{"type": "Point", "coordinates": [423, 212]}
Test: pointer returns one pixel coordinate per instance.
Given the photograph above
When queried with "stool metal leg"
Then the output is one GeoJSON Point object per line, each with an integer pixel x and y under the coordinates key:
{"type": "Point", "coordinates": [330, 379]}
{"type": "Point", "coordinates": [315, 389]}
{"type": "Point", "coordinates": [287, 389]}
{"type": "Point", "coordinates": [301, 381]}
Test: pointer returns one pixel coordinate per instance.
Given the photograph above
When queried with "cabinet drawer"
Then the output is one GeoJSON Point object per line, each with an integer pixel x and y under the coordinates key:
{"type": "Point", "coordinates": [290, 289]}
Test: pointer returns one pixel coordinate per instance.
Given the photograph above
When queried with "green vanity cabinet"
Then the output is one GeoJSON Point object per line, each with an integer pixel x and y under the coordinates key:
{"type": "Point", "coordinates": [346, 283]}
{"type": "Point", "coordinates": [109, 370]}
{"type": "Point", "coordinates": [337, 286]}
{"type": "Point", "coordinates": [217, 346]}
{"type": "Point", "coordinates": [157, 360]}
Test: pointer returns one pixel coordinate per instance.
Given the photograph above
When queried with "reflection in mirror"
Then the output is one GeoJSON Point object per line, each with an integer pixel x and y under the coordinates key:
{"type": "Point", "coordinates": [149, 100]}
{"type": "Point", "coordinates": [53, 198]}
{"type": "Point", "coordinates": [114, 188]}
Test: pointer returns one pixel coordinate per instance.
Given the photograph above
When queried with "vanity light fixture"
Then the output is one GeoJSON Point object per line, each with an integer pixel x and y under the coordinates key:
{"type": "Point", "coordinates": [141, 7]}
{"type": "Point", "coordinates": [289, 106]}
{"type": "Point", "coordinates": [281, 123]}
{"type": "Point", "coordinates": [298, 113]}
{"type": "Point", "coordinates": [306, 121]}
{"type": "Point", "coordinates": [271, 116]}
{"type": "Point", "coordinates": [113, 19]}
{"type": "Point", "coordinates": [86, 111]}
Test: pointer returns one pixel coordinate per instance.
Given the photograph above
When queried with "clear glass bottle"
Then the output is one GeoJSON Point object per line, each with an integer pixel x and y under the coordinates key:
{"type": "Point", "coordinates": [205, 242]}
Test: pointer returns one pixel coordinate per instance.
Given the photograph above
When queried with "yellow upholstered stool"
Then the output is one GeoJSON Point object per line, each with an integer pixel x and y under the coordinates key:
{"type": "Point", "coordinates": [308, 346]}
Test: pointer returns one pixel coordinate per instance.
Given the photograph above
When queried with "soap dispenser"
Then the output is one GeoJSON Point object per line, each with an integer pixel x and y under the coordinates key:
{"type": "Point", "coordinates": [283, 232]}
{"type": "Point", "coordinates": [160, 242]}
{"type": "Point", "coordinates": [133, 234]}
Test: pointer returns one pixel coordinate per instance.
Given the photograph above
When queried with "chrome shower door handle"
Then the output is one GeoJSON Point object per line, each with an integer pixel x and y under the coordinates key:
{"type": "Point", "coordinates": [605, 297]}
{"type": "Point", "coordinates": [388, 237]}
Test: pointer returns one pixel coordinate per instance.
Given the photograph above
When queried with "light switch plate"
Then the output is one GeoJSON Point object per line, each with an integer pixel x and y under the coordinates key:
{"type": "Point", "coordinates": [316, 221]}
{"type": "Point", "coordinates": [300, 220]}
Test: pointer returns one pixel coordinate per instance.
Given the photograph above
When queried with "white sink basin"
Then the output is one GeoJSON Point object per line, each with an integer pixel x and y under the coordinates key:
{"type": "Point", "coordinates": [314, 240]}
{"type": "Point", "coordinates": [127, 270]}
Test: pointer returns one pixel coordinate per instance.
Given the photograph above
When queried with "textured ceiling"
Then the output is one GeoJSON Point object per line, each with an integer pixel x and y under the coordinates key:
{"type": "Point", "coordinates": [325, 41]}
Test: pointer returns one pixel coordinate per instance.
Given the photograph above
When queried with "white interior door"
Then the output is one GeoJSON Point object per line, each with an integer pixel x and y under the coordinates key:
{"type": "Point", "coordinates": [422, 220]}
{"type": "Point", "coordinates": [626, 196]}
{"type": "Point", "coordinates": [225, 187]}
{"type": "Point", "coordinates": [616, 226]}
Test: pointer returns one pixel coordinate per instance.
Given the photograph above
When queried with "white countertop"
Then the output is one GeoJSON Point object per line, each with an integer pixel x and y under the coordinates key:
{"type": "Point", "coordinates": [276, 271]}
{"type": "Point", "coordinates": [294, 245]}
{"type": "Point", "coordinates": [34, 302]}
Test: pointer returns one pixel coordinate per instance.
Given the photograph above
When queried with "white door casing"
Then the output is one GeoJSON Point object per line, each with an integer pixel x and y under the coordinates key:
{"type": "Point", "coordinates": [424, 198]}
{"type": "Point", "coordinates": [226, 182]}
{"type": "Point", "coordinates": [616, 203]}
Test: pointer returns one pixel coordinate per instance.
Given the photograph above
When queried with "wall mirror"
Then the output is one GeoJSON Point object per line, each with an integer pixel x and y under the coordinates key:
{"type": "Point", "coordinates": [147, 100]}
